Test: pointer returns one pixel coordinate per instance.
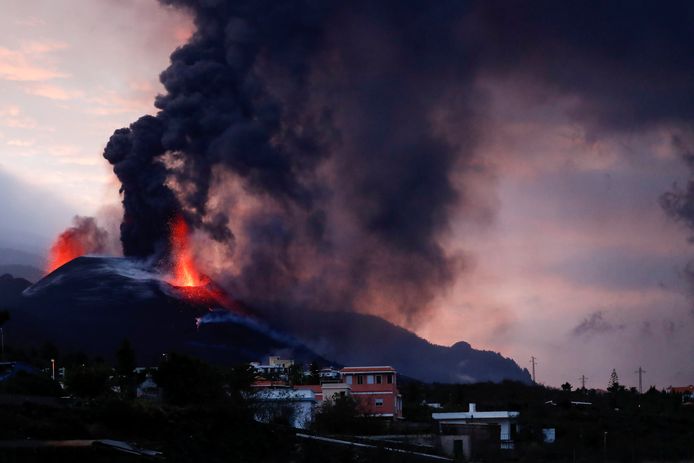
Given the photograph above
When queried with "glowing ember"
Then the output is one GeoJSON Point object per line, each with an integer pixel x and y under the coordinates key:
{"type": "Point", "coordinates": [66, 247]}
{"type": "Point", "coordinates": [184, 272]}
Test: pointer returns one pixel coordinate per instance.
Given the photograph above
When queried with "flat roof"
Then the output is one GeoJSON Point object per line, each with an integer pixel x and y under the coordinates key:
{"type": "Point", "coordinates": [475, 415]}
{"type": "Point", "coordinates": [284, 394]}
{"type": "Point", "coordinates": [372, 369]}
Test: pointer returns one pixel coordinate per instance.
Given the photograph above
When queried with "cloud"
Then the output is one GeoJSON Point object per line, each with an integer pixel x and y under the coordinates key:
{"type": "Point", "coordinates": [596, 323]}
{"type": "Point", "coordinates": [53, 92]}
{"type": "Point", "coordinates": [27, 65]}
{"type": "Point", "coordinates": [12, 116]}
{"type": "Point", "coordinates": [21, 143]}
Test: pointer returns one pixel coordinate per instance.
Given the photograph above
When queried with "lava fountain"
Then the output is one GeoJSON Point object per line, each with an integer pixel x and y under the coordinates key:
{"type": "Point", "coordinates": [184, 273]}
{"type": "Point", "coordinates": [190, 282]}
{"type": "Point", "coordinates": [83, 237]}
{"type": "Point", "coordinates": [64, 249]}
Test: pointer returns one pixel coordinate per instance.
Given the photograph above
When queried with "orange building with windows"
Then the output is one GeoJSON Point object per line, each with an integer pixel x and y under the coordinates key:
{"type": "Point", "coordinates": [375, 388]}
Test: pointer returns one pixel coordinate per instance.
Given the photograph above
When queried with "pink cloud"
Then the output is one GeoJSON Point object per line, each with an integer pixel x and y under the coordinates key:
{"type": "Point", "coordinates": [13, 117]}
{"type": "Point", "coordinates": [26, 66]}
{"type": "Point", "coordinates": [53, 92]}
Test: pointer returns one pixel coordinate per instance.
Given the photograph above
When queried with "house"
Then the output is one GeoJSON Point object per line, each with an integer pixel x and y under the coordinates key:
{"type": "Point", "coordinates": [375, 388]}
{"type": "Point", "coordinates": [290, 406]}
{"type": "Point", "coordinates": [275, 361]}
{"type": "Point", "coordinates": [452, 423]}
{"type": "Point", "coordinates": [148, 389]}
{"type": "Point", "coordinates": [686, 391]}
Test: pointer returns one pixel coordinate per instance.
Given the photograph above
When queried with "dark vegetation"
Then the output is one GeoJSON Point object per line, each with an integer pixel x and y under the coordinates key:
{"type": "Point", "coordinates": [205, 413]}
{"type": "Point", "coordinates": [618, 425]}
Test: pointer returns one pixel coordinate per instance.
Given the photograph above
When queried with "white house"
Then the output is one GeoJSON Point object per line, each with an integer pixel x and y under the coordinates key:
{"type": "Point", "coordinates": [295, 406]}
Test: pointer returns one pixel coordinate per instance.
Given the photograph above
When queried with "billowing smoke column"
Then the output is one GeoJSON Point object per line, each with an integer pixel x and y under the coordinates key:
{"type": "Point", "coordinates": [324, 145]}
{"type": "Point", "coordinates": [84, 237]}
{"type": "Point", "coordinates": [317, 120]}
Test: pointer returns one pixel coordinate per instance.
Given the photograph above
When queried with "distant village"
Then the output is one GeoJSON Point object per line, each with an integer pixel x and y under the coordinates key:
{"type": "Point", "coordinates": [282, 392]}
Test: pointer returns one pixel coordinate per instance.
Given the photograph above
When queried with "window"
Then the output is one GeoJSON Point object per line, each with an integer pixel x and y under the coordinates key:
{"type": "Point", "coordinates": [360, 379]}
{"type": "Point", "coordinates": [369, 379]}
{"type": "Point", "coordinates": [378, 379]}
{"type": "Point", "coordinates": [390, 378]}
{"type": "Point", "coordinates": [378, 402]}
{"type": "Point", "coordinates": [348, 379]}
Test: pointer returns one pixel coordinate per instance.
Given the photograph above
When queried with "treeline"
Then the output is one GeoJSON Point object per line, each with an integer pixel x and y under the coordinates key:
{"type": "Point", "coordinates": [590, 425]}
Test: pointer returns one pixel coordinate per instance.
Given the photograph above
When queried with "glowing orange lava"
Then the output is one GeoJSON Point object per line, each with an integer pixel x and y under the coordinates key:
{"type": "Point", "coordinates": [184, 272]}
{"type": "Point", "coordinates": [192, 284]}
{"type": "Point", "coordinates": [66, 247]}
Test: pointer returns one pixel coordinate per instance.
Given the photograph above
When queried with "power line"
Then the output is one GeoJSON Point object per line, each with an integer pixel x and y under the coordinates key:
{"type": "Point", "coordinates": [533, 360]}
{"type": "Point", "coordinates": [640, 372]}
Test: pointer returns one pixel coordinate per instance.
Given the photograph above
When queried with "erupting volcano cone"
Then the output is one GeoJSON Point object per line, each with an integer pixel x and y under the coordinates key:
{"type": "Point", "coordinates": [190, 282]}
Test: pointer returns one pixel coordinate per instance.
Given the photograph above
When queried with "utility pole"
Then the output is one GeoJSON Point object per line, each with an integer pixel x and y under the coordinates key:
{"type": "Point", "coordinates": [532, 360]}
{"type": "Point", "coordinates": [640, 372]}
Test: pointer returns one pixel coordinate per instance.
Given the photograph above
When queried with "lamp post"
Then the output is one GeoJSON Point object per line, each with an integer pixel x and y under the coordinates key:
{"type": "Point", "coordinates": [53, 369]}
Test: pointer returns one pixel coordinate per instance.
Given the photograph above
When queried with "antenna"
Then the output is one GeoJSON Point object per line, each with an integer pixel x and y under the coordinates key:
{"type": "Point", "coordinates": [583, 379]}
{"type": "Point", "coordinates": [533, 360]}
{"type": "Point", "coordinates": [640, 372]}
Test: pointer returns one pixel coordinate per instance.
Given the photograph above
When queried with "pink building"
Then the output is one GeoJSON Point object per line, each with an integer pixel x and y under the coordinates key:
{"type": "Point", "coordinates": [375, 388]}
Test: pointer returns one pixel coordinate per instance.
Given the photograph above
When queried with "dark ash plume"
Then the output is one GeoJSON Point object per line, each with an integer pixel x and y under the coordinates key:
{"type": "Point", "coordinates": [321, 138]}
{"type": "Point", "coordinates": [324, 113]}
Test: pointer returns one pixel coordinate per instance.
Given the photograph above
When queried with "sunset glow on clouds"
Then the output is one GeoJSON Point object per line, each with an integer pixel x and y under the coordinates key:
{"type": "Point", "coordinates": [580, 267]}
{"type": "Point", "coordinates": [567, 254]}
{"type": "Point", "coordinates": [68, 76]}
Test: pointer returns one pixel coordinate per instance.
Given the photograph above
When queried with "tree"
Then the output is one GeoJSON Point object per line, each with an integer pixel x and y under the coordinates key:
{"type": "Point", "coordinates": [566, 387]}
{"type": "Point", "coordinates": [88, 380]}
{"type": "Point", "coordinates": [296, 374]}
{"type": "Point", "coordinates": [4, 316]}
{"type": "Point", "coordinates": [187, 380]}
{"type": "Point", "coordinates": [125, 359]}
{"type": "Point", "coordinates": [339, 416]}
{"type": "Point", "coordinates": [613, 384]}
{"type": "Point", "coordinates": [315, 372]}
{"type": "Point", "coordinates": [125, 369]}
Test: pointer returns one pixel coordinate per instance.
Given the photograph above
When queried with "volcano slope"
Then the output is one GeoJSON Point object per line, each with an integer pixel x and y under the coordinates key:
{"type": "Point", "coordinates": [92, 303]}
{"type": "Point", "coordinates": [358, 339]}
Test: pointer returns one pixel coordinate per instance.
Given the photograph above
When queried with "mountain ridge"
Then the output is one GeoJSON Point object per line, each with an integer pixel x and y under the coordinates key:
{"type": "Point", "coordinates": [92, 303]}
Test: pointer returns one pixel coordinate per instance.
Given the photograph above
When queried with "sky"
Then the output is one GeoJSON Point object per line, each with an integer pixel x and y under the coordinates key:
{"type": "Point", "coordinates": [68, 78]}
{"type": "Point", "coordinates": [568, 255]}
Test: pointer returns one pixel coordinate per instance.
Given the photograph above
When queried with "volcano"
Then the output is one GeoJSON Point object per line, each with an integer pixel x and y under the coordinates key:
{"type": "Point", "coordinates": [92, 303]}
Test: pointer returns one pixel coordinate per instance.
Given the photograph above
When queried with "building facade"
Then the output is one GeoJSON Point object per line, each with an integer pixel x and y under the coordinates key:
{"type": "Point", "coordinates": [375, 388]}
{"type": "Point", "coordinates": [449, 423]}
